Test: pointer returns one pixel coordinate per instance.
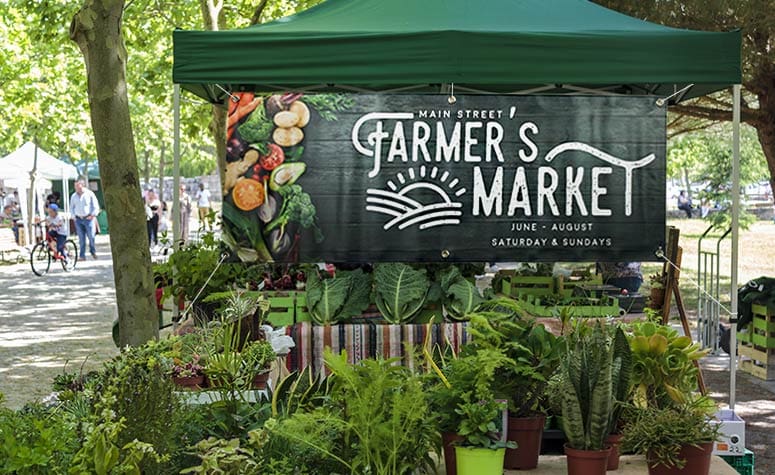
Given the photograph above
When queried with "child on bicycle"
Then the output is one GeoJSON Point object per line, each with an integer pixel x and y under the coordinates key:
{"type": "Point", "coordinates": [57, 230]}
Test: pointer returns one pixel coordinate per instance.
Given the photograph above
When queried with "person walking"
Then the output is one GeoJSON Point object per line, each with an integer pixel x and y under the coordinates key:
{"type": "Point", "coordinates": [185, 213]}
{"type": "Point", "coordinates": [84, 208]}
{"type": "Point", "coordinates": [154, 205]}
{"type": "Point", "coordinates": [203, 203]}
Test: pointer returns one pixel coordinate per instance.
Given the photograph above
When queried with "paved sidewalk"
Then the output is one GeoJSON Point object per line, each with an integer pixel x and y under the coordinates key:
{"type": "Point", "coordinates": [755, 404]}
{"type": "Point", "coordinates": [46, 321]}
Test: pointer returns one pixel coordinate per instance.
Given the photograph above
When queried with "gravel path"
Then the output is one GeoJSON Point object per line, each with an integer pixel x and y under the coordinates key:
{"type": "Point", "coordinates": [46, 321]}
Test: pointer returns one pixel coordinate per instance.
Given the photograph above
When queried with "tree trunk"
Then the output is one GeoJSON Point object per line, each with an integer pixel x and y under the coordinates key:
{"type": "Point", "coordinates": [765, 130]}
{"type": "Point", "coordinates": [96, 28]}
{"type": "Point", "coordinates": [160, 191]}
{"type": "Point", "coordinates": [687, 183]}
{"type": "Point", "coordinates": [213, 20]}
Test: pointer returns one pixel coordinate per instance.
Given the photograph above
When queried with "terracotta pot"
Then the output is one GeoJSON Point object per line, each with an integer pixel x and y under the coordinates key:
{"type": "Point", "coordinates": [697, 462]}
{"type": "Point", "coordinates": [587, 462]}
{"type": "Point", "coordinates": [189, 382]}
{"type": "Point", "coordinates": [527, 433]}
{"type": "Point", "coordinates": [450, 462]}
{"type": "Point", "coordinates": [614, 440]}
{"type": "Point", "coordinates": [259, 380]}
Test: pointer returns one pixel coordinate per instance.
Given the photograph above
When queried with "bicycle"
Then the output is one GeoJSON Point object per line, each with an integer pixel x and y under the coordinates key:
{"type": "Point", "coordinates": [41, 256]}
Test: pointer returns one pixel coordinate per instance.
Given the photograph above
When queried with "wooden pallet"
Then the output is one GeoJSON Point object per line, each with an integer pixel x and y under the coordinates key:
{"type": "Point", "coordinates": [756, 360]}
{"type": "Point", "coordinates": [761, 330]}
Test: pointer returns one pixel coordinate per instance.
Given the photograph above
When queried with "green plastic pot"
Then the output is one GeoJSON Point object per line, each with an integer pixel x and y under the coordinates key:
{"type": "Point", "coordinates": [479, 461]}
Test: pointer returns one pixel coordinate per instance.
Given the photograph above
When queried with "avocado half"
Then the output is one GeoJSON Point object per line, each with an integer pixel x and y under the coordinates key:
{"type": "Point", "coordinates": [286, 174]}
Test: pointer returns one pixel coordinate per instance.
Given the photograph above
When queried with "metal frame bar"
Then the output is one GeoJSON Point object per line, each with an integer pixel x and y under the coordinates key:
{"type": "Point", "coordinates": [736, 89]}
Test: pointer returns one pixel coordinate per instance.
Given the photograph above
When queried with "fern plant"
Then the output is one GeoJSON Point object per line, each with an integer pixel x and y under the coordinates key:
{"type": "Point", "coordinates": [586, 388]}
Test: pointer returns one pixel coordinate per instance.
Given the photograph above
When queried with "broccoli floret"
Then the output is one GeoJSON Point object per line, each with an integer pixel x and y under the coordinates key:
{"type": "Point", "coordinates": [257, 128]}
{"type": "Point", "coordinates": [297, 207]}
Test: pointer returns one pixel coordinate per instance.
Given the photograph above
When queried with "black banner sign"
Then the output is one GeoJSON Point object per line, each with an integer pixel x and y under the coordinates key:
{"type": "Point", "coordinates": [370, 178]}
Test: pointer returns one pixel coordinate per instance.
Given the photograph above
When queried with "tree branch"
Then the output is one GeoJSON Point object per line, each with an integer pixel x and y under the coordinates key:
{"type": "Point", "coordinates": [256, 18]}
{"type": "Point", "coordinates": [748, 116]}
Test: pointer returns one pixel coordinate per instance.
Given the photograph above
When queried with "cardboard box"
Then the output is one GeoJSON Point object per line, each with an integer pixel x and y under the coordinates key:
{"type": "Point", "coordinates": [731, 434]}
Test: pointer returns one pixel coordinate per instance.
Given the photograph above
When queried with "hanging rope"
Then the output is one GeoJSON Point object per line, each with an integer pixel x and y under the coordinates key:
{"type": "Point", "coordinates": [218, 265]}
{"type": "Point", "coordinates": [661, 255]}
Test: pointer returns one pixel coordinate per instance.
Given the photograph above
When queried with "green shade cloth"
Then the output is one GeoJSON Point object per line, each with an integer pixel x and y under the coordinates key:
{"type": "Point", "coordinates": [492, 45]}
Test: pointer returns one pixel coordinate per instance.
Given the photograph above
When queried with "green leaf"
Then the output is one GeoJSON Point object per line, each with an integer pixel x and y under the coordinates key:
{"type": "Point", "coordinates": [461, 297]}
{"type": "Point", "coordinates": [399, 291]}
{"type": "Point", "coordinates": [326, 297]}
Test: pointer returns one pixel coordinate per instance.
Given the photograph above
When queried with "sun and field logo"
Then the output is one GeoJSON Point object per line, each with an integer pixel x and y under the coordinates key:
{"type": "Point", "coordinates": [418, 198]}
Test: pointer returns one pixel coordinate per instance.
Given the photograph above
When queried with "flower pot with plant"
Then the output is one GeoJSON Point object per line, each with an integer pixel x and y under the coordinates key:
{"type": "Point", "coordinates": [670, 422]}
{"type": "Point", "coordinates": [621, 389]}
{"type": "Point", "coordinates": [587, 400]}
{"type": "Point", "coordinates": [677, 439]}
{"type": "Point", "coordinates": [534, 355]}
{"type": "Point", "coordinates": [483, 448]}
{"type": "Point", "coordinates": [657, 285]}
{"type": "Point", "coordinates": [257, 358]}
{"type": "Point", "coordinates": [466, 381]}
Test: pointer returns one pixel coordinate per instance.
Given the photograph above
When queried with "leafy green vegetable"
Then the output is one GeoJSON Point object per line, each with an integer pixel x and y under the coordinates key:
{"type": "Point", "coordinates": [461, 297]}
{"type": "Point", "coordinates": [249, 229]}
{"type": "Point", "coordinates": [339, 298]}
{"type": "Point", "coordinates": [400, 291]}
{"type": "Point", "coordinates": [327, 104]}
{"type": "Point", "coordinates": [297, 207]}
{"type": "Point", "coordinates": [257, 128]}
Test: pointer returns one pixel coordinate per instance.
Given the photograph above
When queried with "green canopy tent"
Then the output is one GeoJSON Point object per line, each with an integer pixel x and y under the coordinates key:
{"type": "Point", "coordinates": [497, 46]}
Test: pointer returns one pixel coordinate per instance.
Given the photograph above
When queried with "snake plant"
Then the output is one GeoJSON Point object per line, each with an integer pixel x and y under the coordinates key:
{"type": "Point", "coordinates": [587, 387]}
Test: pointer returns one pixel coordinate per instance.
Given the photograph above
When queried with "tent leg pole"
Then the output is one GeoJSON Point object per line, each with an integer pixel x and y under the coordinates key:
{"type": "Point", "coordinates": [176, 211]}
{"type": "Point", "coordinates": [736, 89]}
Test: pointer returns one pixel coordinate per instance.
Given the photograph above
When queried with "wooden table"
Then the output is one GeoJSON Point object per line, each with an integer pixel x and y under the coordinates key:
{"type": "Point", "coordinates": [628, 464]}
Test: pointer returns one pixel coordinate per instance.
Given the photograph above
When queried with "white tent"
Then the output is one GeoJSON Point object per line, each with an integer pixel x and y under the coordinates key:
{"type": "Point", "coordinates": [16, 171]}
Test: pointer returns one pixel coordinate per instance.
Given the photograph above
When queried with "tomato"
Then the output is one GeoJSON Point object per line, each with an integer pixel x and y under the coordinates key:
{"type": "Point", "coordinates": [274, 157]}
{"type": "Point", "coordinates": [248, 194]}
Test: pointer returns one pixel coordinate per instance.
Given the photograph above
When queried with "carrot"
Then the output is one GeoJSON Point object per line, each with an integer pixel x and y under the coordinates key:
{"type": "Point", "coordinates": [243, 110]}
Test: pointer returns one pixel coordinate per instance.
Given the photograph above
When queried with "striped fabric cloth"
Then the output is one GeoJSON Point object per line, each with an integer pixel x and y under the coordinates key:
{"type": "Point", "coordinates": [367, 340]}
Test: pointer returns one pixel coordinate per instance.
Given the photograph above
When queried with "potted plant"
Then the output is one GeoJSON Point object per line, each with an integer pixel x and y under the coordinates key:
{"type": "Point", "coordinates": [534, 354]}
{"type": "Point", "coordinates": [663, 365]}
{"type": "Point", "coordinates": [472, 372]}
{"type": "Point", "coordinates": [657, 285]}
{"type": "Point", "coordinates": [188, 374]}
{"type": "Point", "coordinates": [670, 423]}
{"type": "Point", "coordinates": [677, 439]}
{"type": "Point", "coordinates": [586, 399]}
{"type": "Point", "coordinates": [621, 389]}
{"type": "Point", "coordinates": [257, 357]}
{"type": "Point", "coordinates": [483, 446]}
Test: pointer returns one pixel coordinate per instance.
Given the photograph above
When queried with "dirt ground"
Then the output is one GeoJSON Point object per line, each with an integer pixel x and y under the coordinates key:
{"type": "Point", "coordinates": [47, 321]}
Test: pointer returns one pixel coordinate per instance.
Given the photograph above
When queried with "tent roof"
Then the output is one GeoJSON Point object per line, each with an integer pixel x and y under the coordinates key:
{"type": "Point", "coordinates": [18, 164]}
{"type": "Point", "coordinates": [494, 46]}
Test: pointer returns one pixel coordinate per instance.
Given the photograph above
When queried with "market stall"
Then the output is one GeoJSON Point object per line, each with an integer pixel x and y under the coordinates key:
{"type": "Point", "coordinates": [30, 167]}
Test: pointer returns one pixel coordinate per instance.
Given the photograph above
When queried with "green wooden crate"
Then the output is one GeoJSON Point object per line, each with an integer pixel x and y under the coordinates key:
{"type": "Point", "coordinates": [743, 464]}
{"type": "Point", "coordinates": [517, 285]}
{"type": "Point", "coordinates": [282, 308]}
{"type": "Point", "coordinates": [578, 307]}
{"type": "Point", "coordinates": [566, 286]}
{"type": "Point", "coordinates": [302, 312]}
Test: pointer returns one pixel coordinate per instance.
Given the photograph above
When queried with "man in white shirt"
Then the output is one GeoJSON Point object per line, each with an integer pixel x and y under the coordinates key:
{"type": "Point", "coordinates": [203, 203]}
{"type": "Point", "coordinates": [84, 208]}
